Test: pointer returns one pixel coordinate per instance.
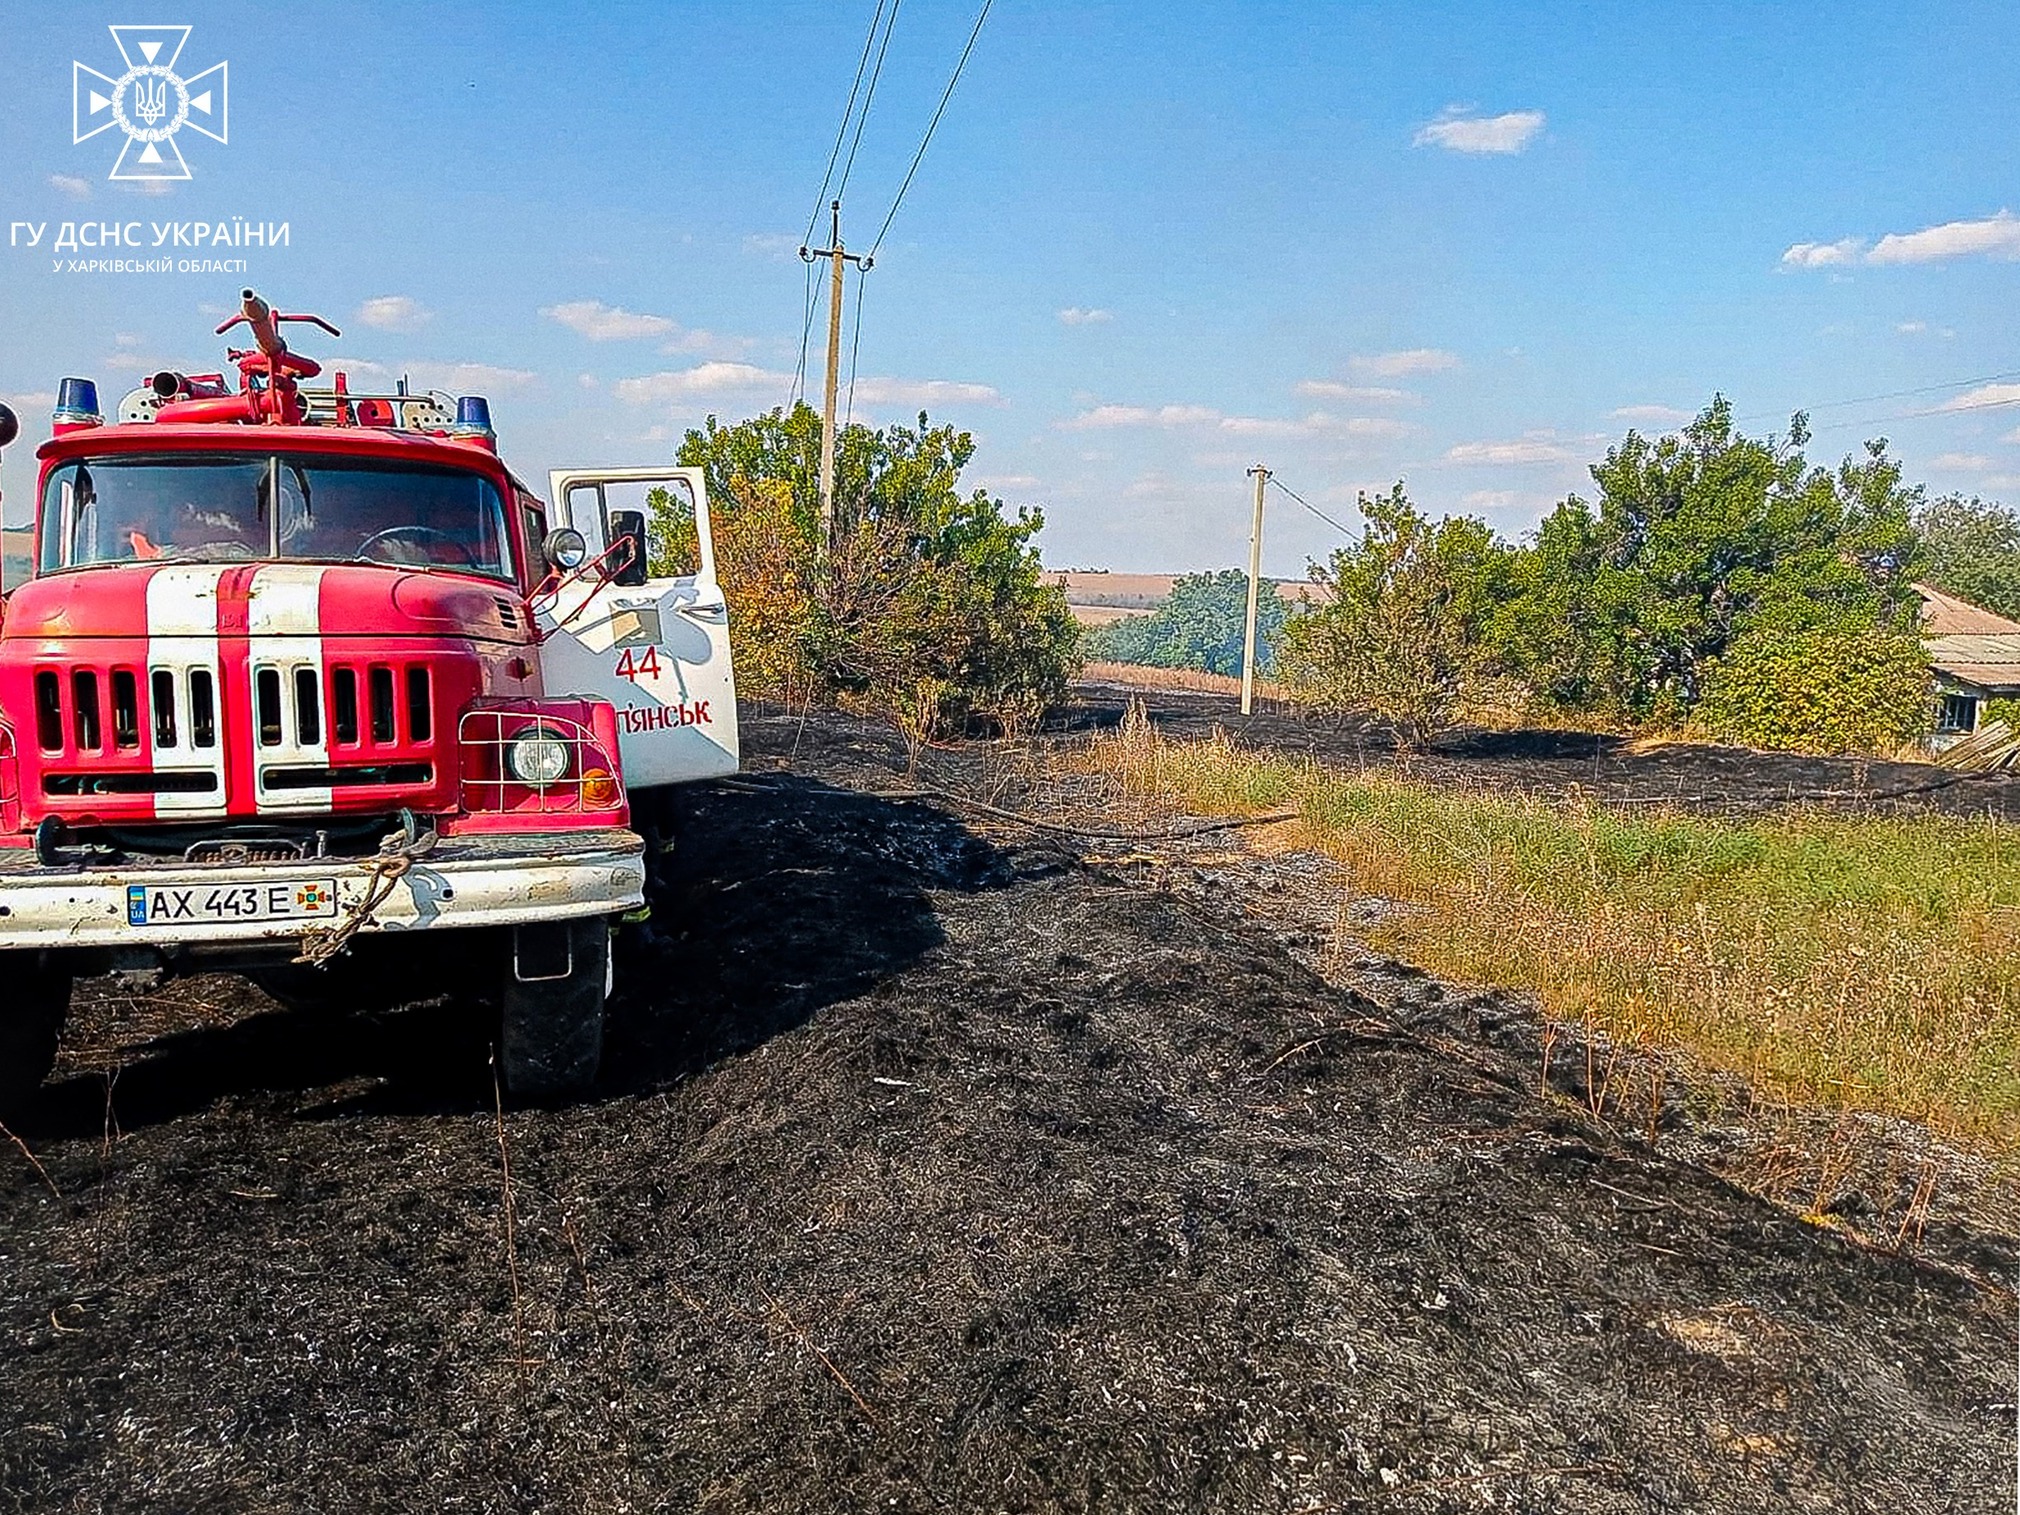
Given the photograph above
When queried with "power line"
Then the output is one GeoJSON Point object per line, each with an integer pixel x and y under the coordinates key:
{"type": "Point", "coordinates": [869, 37]}
{"type": "Point", "coordinates": [1894, 394]}
{"type": "Point", "coordinates": [1352, 536]}
{"type": "Point", "coordinates": [855, 344]}
{"type": "Point", "coordinates": [933, 125]}
{"type": "Point", "coordinates": [1917, 415]}
{"type": "Point", "coordinates": [806, 333]}
{"type": "Point", "coordinates": [869, 95]}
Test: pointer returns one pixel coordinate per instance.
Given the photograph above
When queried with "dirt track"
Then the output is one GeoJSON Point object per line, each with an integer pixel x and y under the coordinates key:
{"type": "Point", "coordinates": [942, 1172]}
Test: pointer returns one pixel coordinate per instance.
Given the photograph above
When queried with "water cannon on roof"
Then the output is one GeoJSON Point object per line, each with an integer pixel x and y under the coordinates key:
{"type": "Point", "coordinates": [275, 389]}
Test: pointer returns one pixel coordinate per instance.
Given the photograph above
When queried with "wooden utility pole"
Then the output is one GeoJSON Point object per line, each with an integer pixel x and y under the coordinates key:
{"type": "Point", "coordinates": [836, 258]}
{"type": "Point", "coordinates": [1261, 475]}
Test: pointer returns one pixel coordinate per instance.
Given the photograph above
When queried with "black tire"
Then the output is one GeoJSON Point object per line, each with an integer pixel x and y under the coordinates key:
{"type": "Point", "coordinates": [551, 1033]}
{"type": "Point", "coordinates": [31, 1018]}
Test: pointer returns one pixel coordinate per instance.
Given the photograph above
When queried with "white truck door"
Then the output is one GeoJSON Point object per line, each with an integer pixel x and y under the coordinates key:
{"type": "Point", "coordinates": [656, 648]}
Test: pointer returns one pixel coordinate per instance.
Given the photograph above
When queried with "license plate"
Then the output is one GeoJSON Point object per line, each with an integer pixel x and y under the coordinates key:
{"type": "Point", "coordinates": [213, 904]}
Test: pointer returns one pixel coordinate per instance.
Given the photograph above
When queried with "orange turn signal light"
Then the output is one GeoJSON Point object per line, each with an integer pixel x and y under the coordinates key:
{"type": "Point", "coordinates": [599, 787]}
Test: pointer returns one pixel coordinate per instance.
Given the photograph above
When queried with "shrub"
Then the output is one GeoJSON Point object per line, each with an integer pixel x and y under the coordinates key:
{"type": "Point", "coordinates": [930, 606]}
{"type": "Point", "coordinates": [1834, 689]}
{"type": "Point", "coordinates": [1399, 635]}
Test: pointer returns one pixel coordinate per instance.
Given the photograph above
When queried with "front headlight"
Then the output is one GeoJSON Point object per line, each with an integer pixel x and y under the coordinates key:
{"type": "Point", "coordinates": [538, 758]}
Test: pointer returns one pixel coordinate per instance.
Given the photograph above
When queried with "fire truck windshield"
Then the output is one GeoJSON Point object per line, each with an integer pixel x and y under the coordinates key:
{"type": "Point", "coordinates": [299, 507]}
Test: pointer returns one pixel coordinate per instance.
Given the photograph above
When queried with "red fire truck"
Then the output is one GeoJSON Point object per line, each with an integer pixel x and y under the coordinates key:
{"type": "Point", "coordinates": [308, 685]}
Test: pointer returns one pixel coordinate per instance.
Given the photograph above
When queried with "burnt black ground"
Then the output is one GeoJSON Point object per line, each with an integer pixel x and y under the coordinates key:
{"type": "Point", "coordinates": [933, 1172]}
{"type": "Point", "coordinates": [1598, 765]}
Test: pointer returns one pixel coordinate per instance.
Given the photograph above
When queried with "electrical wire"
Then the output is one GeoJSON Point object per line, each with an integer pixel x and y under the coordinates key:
{"type": "Point", "coordinates": [855, 347]}
{"type": "Point", "coordinates": [869, 95]}
{"type": "Point", "coordinates": [849, 110]}
{"type": "Point", "coordinates": [932, 126]}
{"type": "Point", "coordinates": [799, 388]}
{"type": "Point", "coordinates": [1351, 536]}
{"type": "Point", "coordinates": [1918, 415]}
{"type": "Point", "coordinates": [1894, 394]}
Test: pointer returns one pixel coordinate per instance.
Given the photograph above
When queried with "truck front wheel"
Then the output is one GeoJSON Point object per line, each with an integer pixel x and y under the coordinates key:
{"type": "Point", "coordinates": [551, 1039]}
{"type": "Point", "coordinates": [31, 1018]}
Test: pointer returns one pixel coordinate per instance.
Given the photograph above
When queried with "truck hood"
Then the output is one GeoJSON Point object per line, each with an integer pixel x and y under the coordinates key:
{"type": "Point", "coordinates": [261, 599]}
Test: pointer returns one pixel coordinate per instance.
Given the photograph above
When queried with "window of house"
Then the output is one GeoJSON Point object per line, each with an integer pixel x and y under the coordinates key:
{"type": "Point", "coordinates": [1957, 713]}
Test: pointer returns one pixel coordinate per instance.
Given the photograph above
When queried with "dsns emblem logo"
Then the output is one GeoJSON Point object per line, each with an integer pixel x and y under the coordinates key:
{"type": "Point", "coordinates": [150, 102]}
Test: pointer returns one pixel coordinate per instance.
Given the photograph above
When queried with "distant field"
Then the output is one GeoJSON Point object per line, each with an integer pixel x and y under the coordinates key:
{"type": "Point", "coordinates": [1139, 676]}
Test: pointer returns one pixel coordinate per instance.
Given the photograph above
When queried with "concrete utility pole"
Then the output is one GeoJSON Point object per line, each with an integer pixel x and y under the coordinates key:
{"type": "Point", "coordinates": [1261, 475]}
{"type": "Point", "coordinates": [836, 257]}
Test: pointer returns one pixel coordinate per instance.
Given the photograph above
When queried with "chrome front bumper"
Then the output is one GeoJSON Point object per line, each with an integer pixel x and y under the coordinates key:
{"type": "Point", "coordinates": [466, 882]}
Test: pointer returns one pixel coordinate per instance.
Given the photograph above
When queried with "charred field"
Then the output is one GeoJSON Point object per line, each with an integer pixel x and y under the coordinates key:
{"type": "Point", "coordinates": [948, 1165]}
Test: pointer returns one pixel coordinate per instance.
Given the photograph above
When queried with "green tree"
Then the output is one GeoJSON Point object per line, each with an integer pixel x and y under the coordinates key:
{"type": "Point", "coordinates": [1400, 631]}
{"type": "Point", "coordinates": [1820, 689]}
{"type": "Point", "coordinates": [1971, 549]}
{"type": "Point", "coordinates": [928, 593]}
{"type": "Point", "coordinates": [1202, 625]}
{"type": "Point", "coordinates": [1697, 538]}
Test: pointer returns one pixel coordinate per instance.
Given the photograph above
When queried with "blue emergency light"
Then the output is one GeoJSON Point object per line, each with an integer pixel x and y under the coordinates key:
{"type": "Point", "coordinates": [473, 417]}
{"type": "Point", "coordinates": [77, 403]}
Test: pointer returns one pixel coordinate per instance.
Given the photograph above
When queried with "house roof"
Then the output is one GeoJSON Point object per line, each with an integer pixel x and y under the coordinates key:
{"type": "Point", "coordinates": [1944, 615]}
{"type": "Point", "coordinates": [1992, 662]}
{"type": "Point", "coordinates": [1968, 644]}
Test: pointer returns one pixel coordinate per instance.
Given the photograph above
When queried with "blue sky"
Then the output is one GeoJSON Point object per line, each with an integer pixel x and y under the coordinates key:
{"type": "Point", "coordinates": [1462, 245]}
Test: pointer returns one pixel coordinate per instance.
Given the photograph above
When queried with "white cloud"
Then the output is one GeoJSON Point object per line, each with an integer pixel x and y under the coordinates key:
{"type": "Point", "coordinates": [771, 244]}
{"type": "Point", "coordinates": [928, 392]}
{"type": "Point", "coordinates": [1075, 315]}
{"type": "Point", "coordinates": [1997, 236]}
{"type": "Point", "coordinates": [608, 323]}
{"type": "Point", "coordinates": [1984, 397]}
{"type": "Point", "coordinates": [1393, 365]}
{"type": "Point", "coordinates": [1455, 131]}
{"type": "Point", "coordinates": [394, 313]}
{"type": "Point", "coordinates": [352, 365]}
{"type": "Point", "coordinates": [1661, 415]}
{"type": "Point", "coordinates": [1961, 462]}
{"type": "Point", "coordinates": [2012, 436]}
{"type": "Point", "coordinates": [71, 185]}
{"type": "Point", "coordinates": [26, 404]}
{"type": "Point", "coordinates": [1528, 450]}
{"type": "Point", "coordinates": [1106, 417]}
{"type": "Point", "coordinates": [1489, 499]}
{"type": "Point", "coordinates": [701, 381]}
{"type": "Point", "coordinates": [1910, 328]}
{"type": "Point", "coordinates": [1367, 394]}
{"type": "Point", "coordinates": [468, 378]}
{"type": "Point", "coordinates": [707, 380]}
{"type": "Point", "coordinates": [1319, 422]}
{"type": "Point", "coordinates": [1823, 254]}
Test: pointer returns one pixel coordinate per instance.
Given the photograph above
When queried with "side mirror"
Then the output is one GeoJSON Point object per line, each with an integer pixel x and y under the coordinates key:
{"type": "Point", "coordinates": [10, 425]}
{"type": "Point", "coordinates": [565, 549]}
{"type": "Point", "coordinates": [629, 525]}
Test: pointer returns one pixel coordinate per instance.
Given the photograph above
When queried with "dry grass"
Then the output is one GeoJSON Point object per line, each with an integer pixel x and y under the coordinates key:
{"type": "Point", "coordinates": [1868, 963]}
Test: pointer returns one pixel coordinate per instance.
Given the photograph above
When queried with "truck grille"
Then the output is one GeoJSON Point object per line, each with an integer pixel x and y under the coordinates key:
{"type": "Point", "coordinates": [172, 693]}
{"type": "Point", "coordinates": [122, 735]}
